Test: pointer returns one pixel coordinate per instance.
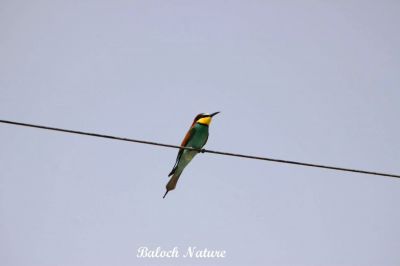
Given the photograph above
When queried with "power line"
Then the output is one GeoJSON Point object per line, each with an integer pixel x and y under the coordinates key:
{"type": "Point", "coordinates": [199, 150]}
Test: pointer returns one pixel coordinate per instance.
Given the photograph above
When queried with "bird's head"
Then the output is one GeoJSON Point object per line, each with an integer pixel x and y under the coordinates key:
{"type": "Point", "coordinates": [204, 118]}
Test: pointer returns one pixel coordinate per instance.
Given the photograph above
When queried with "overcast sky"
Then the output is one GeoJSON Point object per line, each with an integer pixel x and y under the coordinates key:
{"type": "Point", "coordinates": [311, 81]}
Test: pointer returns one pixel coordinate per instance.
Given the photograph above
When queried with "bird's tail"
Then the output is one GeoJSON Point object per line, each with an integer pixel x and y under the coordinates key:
{"type": "Point", "coordinates": [172, 183]}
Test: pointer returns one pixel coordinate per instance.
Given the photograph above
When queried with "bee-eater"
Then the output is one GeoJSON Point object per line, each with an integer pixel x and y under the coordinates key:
{"type": "Point", "coordinates": [196, 138]}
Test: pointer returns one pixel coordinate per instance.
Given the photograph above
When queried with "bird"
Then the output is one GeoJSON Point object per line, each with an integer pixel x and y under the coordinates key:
{"type": "Point", "coordinates": [196, 138]}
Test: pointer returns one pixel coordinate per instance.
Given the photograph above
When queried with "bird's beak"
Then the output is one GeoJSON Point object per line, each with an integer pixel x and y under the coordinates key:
{"type": "Point", "coordinates": [214, 114]}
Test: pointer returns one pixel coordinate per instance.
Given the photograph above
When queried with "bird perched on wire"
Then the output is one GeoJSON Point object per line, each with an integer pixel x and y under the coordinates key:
{"type": "Point", "coordinates": [195, 138]}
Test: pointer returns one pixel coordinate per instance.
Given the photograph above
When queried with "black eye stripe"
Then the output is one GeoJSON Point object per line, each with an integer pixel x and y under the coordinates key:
{"type": "Point", "coordinates": [200, 116]}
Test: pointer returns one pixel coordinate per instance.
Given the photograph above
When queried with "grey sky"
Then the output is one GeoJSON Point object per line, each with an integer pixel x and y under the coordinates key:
{"type": "Point", "coordinates": [310, 81]}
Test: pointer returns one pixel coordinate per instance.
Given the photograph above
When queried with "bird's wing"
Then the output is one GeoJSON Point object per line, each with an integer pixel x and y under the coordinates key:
{"type": "Point", "coordinates": [183, 144]}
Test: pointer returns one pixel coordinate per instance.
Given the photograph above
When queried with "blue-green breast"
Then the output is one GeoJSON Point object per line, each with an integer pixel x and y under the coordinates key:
{"type": "Point", "coordinates": [199, 137]}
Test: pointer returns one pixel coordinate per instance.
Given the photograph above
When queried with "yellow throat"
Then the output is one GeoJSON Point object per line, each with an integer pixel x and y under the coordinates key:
{"type": "Point", "coordinates": [205, 120]}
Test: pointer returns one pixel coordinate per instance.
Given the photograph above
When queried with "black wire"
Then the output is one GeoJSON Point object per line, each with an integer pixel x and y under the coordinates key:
{"type": "Point", "coordinates": [202, 150]}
